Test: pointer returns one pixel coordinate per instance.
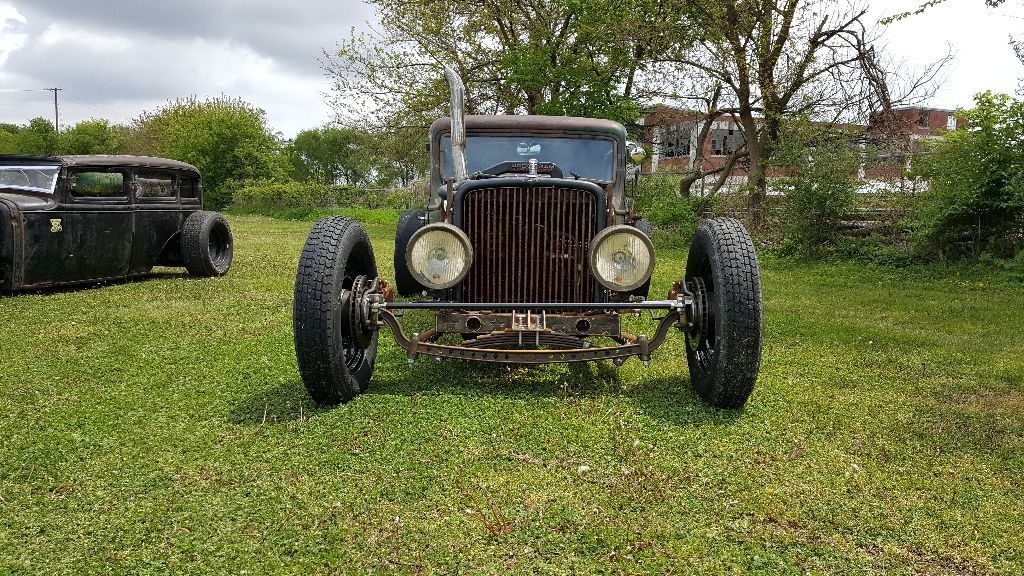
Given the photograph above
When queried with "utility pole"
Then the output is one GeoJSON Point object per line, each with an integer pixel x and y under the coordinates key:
{"type": "Point", "coordinates": [56, 108]}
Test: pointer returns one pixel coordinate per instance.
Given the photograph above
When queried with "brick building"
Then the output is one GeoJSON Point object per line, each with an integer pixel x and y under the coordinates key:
{"type": "Point", "coordinates": [672, 135]}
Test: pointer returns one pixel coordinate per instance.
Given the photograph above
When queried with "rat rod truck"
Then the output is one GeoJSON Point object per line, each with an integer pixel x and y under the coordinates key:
{"type": "Point", "coordinates": [530, 253]}
{"type": "Point", "coordinates": [79, 219]}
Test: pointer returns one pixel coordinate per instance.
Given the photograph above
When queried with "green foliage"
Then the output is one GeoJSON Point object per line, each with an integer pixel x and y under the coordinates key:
{"type": "Point", "coordinates": [975, 202]}
{"type": "Point", "coordinates": [675, 219]}
{"type": "Point", "coordinates": [8, 139]}
{"type": "Point", "coordinates": [875, 249]}
{"type": "Point", "coordinates": [226, 138]}
{"type": "Point", "coordinates": [582, 57]}
{"type": "Point", "coordinates": [270, 197]}
{"type": "Point", "coordinates": [331, 156]}
{"type": "Point", "coordinates": [819, 186]}
{"type": "Point", "coordinates": [93, 137]}
{"type": "Point", "coordinates": [37, 138]}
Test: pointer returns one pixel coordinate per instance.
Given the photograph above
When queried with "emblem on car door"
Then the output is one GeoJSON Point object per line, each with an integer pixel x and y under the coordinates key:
{"type": "Point", "coordinates": [55, 226]}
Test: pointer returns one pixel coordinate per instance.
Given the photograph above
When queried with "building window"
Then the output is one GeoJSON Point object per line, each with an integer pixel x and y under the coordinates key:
{"type": "Point", "coordinates": [951, 122]}
{"type": "Point", "coordinates": [922, 119]}
{"type": "Point", "coordinates": [675, 140]}
{"type": "Point", "coordinates": [725, 142]}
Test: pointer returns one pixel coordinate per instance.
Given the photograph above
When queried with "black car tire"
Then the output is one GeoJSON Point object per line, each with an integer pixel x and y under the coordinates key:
{"type": "Point", "coordinates": [647, 227]}
{"type": "Point", "coordinates": [724, 359]}
{"type": "Point", "coordinates": [207, 247]}
{"type": "Point", "coordinates": [409, 222]}
{"type": "Point", "coordinates": [334, 368]}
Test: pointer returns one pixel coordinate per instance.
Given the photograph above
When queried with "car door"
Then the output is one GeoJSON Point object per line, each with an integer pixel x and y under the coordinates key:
{"type": "Point", "coordinates": [157, 215]}
{"type": "Point", "coordinates": [98, 225]}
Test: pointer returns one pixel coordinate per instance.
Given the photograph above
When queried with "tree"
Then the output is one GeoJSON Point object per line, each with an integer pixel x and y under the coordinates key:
{"type": "Point", "coordinates": [819, 185]}
{"type": "Point", "coordinates": [37, 138]}
{"type": "Point", "coordinates": [93, 137]}
{"type": "Point", "coordinates": [930, 4]}
{"type": "Point", "coordinates": [226, 138]}
{"type": "Point", "coordinates": [767, 61]}
{"type": "Point", "coordinates": [8, 139]}
{"type": "Point", "coordinates": [575, 57]}
{"type": "Point", "coordinates": [398, 157]}
{"type": "Point", "coordinates": [976, 178]}
{"type": "Point", "coordinates": [331, 156]}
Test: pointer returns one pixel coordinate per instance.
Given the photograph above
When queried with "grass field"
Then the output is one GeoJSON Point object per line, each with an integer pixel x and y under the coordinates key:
{"type": "Point", "coordinates": [161, 427]}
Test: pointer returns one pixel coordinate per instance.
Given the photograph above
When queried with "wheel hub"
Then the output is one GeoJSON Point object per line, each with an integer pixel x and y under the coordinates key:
{"type": "Point", "coordinates": [355, 312]}
{"type": "Point", "coordinates": [700, 312]}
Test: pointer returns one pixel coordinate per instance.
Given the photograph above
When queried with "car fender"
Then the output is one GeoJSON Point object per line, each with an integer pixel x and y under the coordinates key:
{"type": "Point", "coordinates": [170, 253]}
{"type": "Point", "coordinates": [12, 234]}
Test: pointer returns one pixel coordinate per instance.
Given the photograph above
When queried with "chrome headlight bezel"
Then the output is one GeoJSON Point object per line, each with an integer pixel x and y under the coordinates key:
{"type": "Point", "coordinates": [458, 234]}
{"type": "Point", "coordinates": [604, 236]}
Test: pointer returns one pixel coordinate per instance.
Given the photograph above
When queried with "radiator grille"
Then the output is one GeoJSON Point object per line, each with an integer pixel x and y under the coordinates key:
{"type": "Point", "coordinates": [530, 244]}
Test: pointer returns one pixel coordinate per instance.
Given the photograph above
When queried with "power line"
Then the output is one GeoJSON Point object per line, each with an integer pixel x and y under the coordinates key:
{"type": "Point", "coordinates": [98, 108]}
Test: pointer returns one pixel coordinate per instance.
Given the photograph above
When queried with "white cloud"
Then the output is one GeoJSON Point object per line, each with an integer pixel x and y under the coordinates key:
{"type": "Point", "coordinates": [117, 58]}
{"type": "Point", "coordinates": [979, 38]}
{"type": "Point", "coordinates": [11, 35]}
{"type": "Point", "coordinates": [56, 34]}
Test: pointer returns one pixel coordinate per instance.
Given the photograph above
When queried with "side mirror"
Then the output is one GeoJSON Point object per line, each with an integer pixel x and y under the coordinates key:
{"type": "Point", "coordinates": [636, 152]}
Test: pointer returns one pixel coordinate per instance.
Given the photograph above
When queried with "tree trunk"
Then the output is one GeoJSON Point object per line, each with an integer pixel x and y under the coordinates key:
{"type": "Point", "coordinates": [757, 180]}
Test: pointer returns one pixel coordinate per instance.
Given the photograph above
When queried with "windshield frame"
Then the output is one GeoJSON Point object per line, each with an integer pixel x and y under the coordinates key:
{"type": "Point", "coordinates": [56, 168]}
{"type": "Point", "coordinates": [445, 137]}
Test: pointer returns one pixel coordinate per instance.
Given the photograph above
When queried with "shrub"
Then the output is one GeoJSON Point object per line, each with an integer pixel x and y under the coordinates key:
{"type": "Point", "coordinates": [819, 189]}
{"type": "Point", "coordinates": [675, 219]}
{"type": "Point", "coordinates": [275, 196]}
{"type": "Point", "coordinates": [227, 139]}
{"type": "Point", "coordinates": [975, 203]}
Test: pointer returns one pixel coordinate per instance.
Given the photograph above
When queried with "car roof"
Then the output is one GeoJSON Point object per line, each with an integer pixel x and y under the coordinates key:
{"type": "Point", "coordinates": [534, 123]}
{"type": "Point", "coordinates": [102, 160]}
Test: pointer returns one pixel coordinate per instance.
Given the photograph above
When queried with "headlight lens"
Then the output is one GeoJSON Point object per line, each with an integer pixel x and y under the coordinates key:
{"type": "Point", "coordinates": [439, 255]}
{"type": "Point", "coordinates": [622, 258]}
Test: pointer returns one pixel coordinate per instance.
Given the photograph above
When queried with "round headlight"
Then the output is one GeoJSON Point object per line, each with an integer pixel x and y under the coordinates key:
{"type": "Point", "coordinates": [622, 258]}
{"type": "Point", "coordinates": [439, 256]}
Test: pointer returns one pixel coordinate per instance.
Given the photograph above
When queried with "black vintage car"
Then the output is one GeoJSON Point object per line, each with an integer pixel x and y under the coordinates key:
{"type": "Point", "coordinates": [75, 219]}
{"type": "Point", "coordinates": [529, 251]}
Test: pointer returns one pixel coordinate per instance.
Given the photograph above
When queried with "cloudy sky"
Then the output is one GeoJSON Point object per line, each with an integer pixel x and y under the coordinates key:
{"type": "Point", "coordinates": [115, 58]}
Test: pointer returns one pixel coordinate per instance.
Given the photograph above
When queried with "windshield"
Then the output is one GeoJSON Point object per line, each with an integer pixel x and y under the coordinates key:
{"type": "Point", "coordinates": [31, 178]}
{"type": "Point", "coordinates": [591, 158]}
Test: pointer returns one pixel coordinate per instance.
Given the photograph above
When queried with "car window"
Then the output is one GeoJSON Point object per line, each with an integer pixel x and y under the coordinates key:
{"type": "Point", "coordinates": [97, 184]}
{"type": "Point", "coordinates": [30, 178]}
{"type": "Point", "coordinates": [188, 187]}
{"type": "Point", "coordinates": [591, 158]}
{"type": "Point", "coordinates": [154, 185]}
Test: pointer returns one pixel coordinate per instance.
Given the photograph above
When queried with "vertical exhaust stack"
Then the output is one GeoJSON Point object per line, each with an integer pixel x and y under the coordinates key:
{"type": "Point", "coordinates": [458, 101]}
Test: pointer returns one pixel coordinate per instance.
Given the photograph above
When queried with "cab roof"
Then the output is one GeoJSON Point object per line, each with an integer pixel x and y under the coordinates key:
{"type": "Point", "coordinates": [106, 161]}
{"type": "Point", "coordinates": [534, 124]}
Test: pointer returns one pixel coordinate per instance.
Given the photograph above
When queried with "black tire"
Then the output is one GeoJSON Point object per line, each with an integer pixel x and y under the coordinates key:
{"type": "Point", "coordinates": [725, 357]}
{"type": "Point", "coordinates": [408, 223]}
{"type": "Point", "coordinates": [647, 227]}
{"type": "Point", "coordinates": [207, 247]}
{"type": "Point", "coordinates": [334, 367]}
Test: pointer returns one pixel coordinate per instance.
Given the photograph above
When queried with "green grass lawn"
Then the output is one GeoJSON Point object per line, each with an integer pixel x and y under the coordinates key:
{"type": "Point", "coordinates": [161, 427]}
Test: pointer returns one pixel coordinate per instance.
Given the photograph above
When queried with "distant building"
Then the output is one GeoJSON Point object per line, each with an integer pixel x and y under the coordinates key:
{"type": "Point", "coordinates": [672, 135]}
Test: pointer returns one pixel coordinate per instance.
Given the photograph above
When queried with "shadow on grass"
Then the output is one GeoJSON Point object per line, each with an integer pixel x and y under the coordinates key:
{"type": "Point", "coordinates": [287, 402]}
{"type": "Point", "coordinates": [666, 398]}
